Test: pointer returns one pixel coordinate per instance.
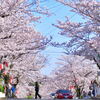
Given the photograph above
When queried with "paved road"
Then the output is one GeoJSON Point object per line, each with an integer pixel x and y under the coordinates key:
{"type": "Point", "coordinates": [50, 99]}
{"type": "Point", "coordinates": [47, 99]}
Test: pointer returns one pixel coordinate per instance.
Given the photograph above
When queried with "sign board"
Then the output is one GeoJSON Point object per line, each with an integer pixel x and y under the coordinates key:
{"type": "Point", "coordinates": [2, 95]}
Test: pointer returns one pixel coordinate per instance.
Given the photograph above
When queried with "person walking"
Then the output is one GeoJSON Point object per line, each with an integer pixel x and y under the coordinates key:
{"type": "Point", "coordinates": [94, 86]}
{"type": "Point", "coordinates": [13, 89]}
{"type": "Point", "coordinates": [37, 90]}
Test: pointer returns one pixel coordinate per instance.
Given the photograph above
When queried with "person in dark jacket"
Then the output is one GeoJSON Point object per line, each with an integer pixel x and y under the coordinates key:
{"type": "Point", "coordinates": [37, 90]}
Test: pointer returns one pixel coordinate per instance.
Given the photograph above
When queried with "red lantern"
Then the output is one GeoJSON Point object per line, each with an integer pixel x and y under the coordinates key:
{"type": "Point", "coordinates": [5, 63]}
{"type": "Point", "coordinates": [72, 87]}
{"type": "Point", "coordinates": [1, 66]}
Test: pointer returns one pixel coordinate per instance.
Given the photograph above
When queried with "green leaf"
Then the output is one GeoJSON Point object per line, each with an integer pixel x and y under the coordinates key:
{"type": "Point", "coordinates": [1, 88]}
{"type": "Point", "coordinates": [29, 97]}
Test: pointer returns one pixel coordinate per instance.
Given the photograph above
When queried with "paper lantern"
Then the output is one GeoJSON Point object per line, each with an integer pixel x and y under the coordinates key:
{"type": "Point", "coordinates": [71, 87]}
{"type": "Point", "coordinates": [5, 63]}
{"type": "Point", "coordinates": [1, 66]}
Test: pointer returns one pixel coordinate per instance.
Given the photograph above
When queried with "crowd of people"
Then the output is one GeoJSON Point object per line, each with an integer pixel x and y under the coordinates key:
{"type": "Point", "coordinates": [10, 89]}
{"type": "Point", "coordinates": [7, 85]}
{"type": "Point", "coordinates": [93, 90]}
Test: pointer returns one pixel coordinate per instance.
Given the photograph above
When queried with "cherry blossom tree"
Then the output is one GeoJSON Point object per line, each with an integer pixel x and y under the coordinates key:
{"type": "Point", "coordinates": [72, 71]}
{"type": "Point", "coordinates": [17, 35]}
{"type": "Point", "coordinates": [75, 71]}
{"type": "Point", "coordinates": [84, 37]}
{"type": "Point", "coordinates": [20, 43]}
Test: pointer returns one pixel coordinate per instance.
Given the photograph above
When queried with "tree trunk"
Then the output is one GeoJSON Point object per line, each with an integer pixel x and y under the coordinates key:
{"type": "Point", "coordinates": [79, 92]}
{"type": "Point", "coordinates": [98, 65]}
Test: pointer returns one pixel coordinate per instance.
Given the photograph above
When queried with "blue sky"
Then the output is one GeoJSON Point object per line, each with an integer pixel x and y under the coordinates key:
{"type": "Point", "coordinates": [59, 12]}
